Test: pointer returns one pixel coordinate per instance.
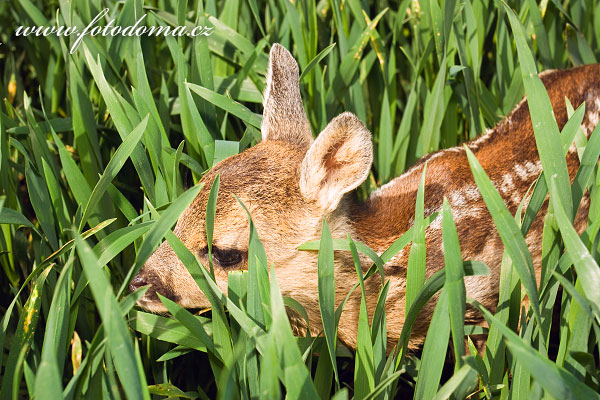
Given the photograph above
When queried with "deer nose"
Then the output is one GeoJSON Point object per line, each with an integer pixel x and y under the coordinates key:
{"type": "Point", "coordinates": [137, 282]}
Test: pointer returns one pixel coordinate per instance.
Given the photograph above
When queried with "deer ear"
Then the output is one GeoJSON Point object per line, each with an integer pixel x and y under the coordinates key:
{"type": "Point", "coordinates": [283, 115]}
{"type": "Point", "coordinates": [337, 162]}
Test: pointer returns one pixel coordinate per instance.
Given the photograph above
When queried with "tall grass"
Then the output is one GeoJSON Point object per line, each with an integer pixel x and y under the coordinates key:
{"type": "Point", "coordinates": [98, 147]}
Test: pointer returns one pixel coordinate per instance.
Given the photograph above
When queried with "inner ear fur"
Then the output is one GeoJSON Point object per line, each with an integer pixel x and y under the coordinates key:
{"type": "Point", "coordinates": [337, 162]}
{"type": "Point", "coordinates": [283, 114]}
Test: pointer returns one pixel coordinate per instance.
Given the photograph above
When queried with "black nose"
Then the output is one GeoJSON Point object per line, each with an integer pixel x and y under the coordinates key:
{"type": "Point", "coordinates": [137, 282]}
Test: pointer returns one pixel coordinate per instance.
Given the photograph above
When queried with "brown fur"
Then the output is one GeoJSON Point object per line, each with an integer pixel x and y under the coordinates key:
{"type": "Point", "coordinates": [290, 183]}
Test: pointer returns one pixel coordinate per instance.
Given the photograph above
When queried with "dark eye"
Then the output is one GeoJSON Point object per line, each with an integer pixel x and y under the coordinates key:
{"type": "Point", "coordinates": [226, 257]}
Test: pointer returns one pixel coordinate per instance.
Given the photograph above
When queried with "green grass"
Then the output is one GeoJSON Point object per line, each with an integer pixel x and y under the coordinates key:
{"type": "Point", "coordinates": [98, 147]}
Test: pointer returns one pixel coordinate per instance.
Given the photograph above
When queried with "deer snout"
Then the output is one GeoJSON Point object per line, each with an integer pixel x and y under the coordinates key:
{"type": "Point", "coordinates": [137, 282]}
{"type": "Point", "coordinates": [155, 286]}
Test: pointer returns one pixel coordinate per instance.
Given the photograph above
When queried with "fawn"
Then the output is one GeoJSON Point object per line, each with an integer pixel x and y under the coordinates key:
{"type": "Point", "coordinates": [290, 182]}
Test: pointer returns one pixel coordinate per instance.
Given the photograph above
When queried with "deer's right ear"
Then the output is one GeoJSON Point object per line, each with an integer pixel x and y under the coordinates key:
{"type": "Point", "coordinates": [283, 115]}
{"type": "Point", "coordinates": [337, 162]}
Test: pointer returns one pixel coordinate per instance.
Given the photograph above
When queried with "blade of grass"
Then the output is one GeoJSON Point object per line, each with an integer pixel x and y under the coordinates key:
{"type": "Point", "coordinates": [541, 189]}
{"type": "Point", "coordinates": [296, 377]}
{"type": "Point", "coordinates": [228, 105]}
{"type": "Point", "coordinates": [544, 127]}
{"type": "Point", "coordinates": [315, 61]}
{"type": "Point", "coordinates": [464, 374]}
{"type": "Point", "coordinates": [455, 285]}
{"type": "Point", "coordinates": [415, 271]}
{"type": "Point", "coordinates": [586, 168]}
{"type": "Point", "coordinates": [364, 371]}
{"type": "Point", "coordinates": [21, 343]}
{"type": "Point", "coordinates": [587, 269]}
{"type": "Point", "coordinates": [434, 350]}
{"type": "Point", "coordinates": [165, 329]}
{"type": "Point", "coordinates": [114, 243]}
{"type": "Point", "coordinates": [211, 207]}
{"type": "Point", "coordinates": [326, 285]}
{"type": "Point", "coordinates": [119, 339]}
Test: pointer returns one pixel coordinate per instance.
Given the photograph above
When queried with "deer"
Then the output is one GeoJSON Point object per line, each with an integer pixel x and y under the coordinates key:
{"type": "Point", "coordinates": [290, 182]}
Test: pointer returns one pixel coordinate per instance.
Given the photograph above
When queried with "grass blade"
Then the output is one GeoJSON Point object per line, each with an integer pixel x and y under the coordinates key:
{"type": "Point", "coordinates": [119, 339]}
{"type": "Point", "coordinates": [545, 129]}
{"type": "Point", "coordinates": [228, 105]}
{"type": "Point", "coordinates": [587, 269]}
{"type": "Point", "coordinates": [415, 272]}
{"type": "Point", "coordinates": [434, 350]}
{"type": "Point", "coordinates": [23, 338]}
{"type": "Point", "coordinates": [455, 285]}
{"type": "Point", "coordinates": [326, 286]}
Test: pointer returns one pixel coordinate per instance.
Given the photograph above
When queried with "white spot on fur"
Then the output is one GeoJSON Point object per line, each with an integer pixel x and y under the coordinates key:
{"type": "Point", "coordinates": [526, 170]}
{"type": "Point", "coordinates": [457, 199]}
{"type": "Point", "coordinates": [507, 184]}
{"type": "Point", "coordinates": [471, 192]}
{"type": "Point", "coordinates": [594, 118]}
{"type": "Point", "coordinates": [521, 171]}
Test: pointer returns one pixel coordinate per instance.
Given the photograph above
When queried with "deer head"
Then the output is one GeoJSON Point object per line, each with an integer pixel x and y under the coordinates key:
{"type": "Point", "coordinates": [289, 183]}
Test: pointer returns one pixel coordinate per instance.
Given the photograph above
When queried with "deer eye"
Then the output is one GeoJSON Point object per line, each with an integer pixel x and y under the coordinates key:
{"type": "Point", "coordinates": [226, 257]}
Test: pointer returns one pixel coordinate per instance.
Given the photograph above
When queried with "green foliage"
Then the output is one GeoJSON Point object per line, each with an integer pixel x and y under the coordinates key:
{"type": "Point", "coordinates": [98, 146]}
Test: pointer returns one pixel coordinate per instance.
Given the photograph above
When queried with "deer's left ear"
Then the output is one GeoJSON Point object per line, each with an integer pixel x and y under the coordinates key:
{"type": "Point", "coordinates": [283, 115]}
{"type": "Point", "coordinates": [337, 162]}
